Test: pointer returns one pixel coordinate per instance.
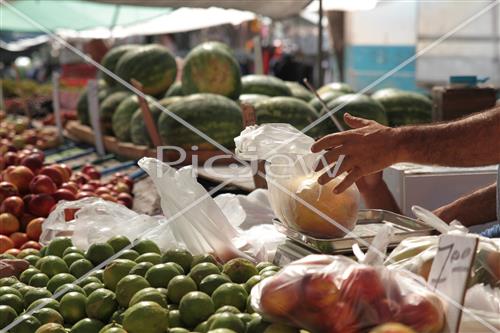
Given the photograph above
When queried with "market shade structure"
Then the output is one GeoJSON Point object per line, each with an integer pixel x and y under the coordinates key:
{"type": "Point", "coordinates": [271, 8]}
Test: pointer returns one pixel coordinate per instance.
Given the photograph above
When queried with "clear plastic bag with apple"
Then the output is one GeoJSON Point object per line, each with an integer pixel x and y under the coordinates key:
{"type": "Point", "coordinates": [295, 195]}
{"type": "Point", "coordinates": [335, 294]}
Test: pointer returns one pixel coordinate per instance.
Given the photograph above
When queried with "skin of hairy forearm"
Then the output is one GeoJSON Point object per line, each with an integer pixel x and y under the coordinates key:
{"type": "Point", "coordinates": [471, 141]}
{"type": "Point", "coordinates": [476, 208]}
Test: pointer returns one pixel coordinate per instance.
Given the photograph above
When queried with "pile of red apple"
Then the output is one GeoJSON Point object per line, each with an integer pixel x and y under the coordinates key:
{"type": "Point", "coordinates": [30, 190]}
{"type": "Point", "coordinates": [348, 298]}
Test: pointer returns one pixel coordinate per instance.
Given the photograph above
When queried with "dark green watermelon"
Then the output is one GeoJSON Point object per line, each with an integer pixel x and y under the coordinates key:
{"type": "Point", "coordinates": [336, 86]}
{"type": "Point", "coordinates": [299, 91]}
{"type": "Point", "coordinates": [108, 108]}
{"type": "Point", "coordinates": [252, 98]}
{"type": "Point", "coordinates": [82, 107]}
{"type": "Point", "coordinates": [326, 97]}
{"type": "Point", "coordinates": [152, 65]}
{"type": "Point", "coordinates": [215, 115]}
{"type": "Point", "coordinates": [404, 107]}
{"type": "Point", "coordinates": [174, 90]}
{"type": "Point", "coordinates": [111, 58]}
{"type": "Point", "coordinates": [220, 45]}
{"type": "Point", "coordinates": [264, 85]}
{"type": "Point", "coordinates": [123, 115]}
{"type": "Point", "coordinates": [210, 69]}
{"type": "Point", "coordinates": [138, 130]}
{"type": "Point", "coordinates": [285, 110]}
{"type": "Point", "coordinates": [357, 105]}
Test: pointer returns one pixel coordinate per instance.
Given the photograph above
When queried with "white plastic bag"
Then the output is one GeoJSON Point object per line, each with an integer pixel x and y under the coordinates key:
{"type": "Point", "coordinates": [296, 197]}
{"type": "Point", "coordinates": [482, 301]}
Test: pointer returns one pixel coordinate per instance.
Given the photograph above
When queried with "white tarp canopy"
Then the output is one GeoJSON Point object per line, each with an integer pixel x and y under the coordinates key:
{"type": "Point", "coordinates": [271, 8]}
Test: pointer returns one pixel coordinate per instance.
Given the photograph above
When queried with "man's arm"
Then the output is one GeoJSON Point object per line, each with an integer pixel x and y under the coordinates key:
{"type": "Point", "coordinates": [376, 194]}
{"type": "Point", "coordinates": [370, 147]}
{"type": "Point", "coordinates": [476, 208]}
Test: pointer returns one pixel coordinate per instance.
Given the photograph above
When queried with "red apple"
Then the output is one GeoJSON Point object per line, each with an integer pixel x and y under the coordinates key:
{"type": "Point", "coordinates": [31, 245]}
{"type": "Point", "coordinates": [42, 184]}
{"type": "Point", "coordinates": [64, 194]}
{"type": "Point", "coordinates": [392, 328]}
{"type": "Point", "coordinates": [66, 169]}
{"type": "Point", "coordinates": [13, 205]}
{"type": "Point", "coordinates": [80, 178]}
{"type": "Point", "coordinates": [55, 174]}
{"type": "Point", "coordinates": [41, 205]}
{"type": "Point", "coordinates": [84, 194]}
{"type": "Point", "coordinates": [20, 176]}
{"type": "Point", "coordinates": [87, 188]}
{"type": "Point", "coordinates": [341, 318]}
{"type": "Point", "coordinates": [27, 198]}
{"type": "Point", "coordinates": [319, 290]}
{"type": "Point", "coordinates": [25, 219]}
{"type": "Point", "coordinates": [127, 199]}
{"type": "Point", "coordinates": [70, 186]}
{"type": "Point", "coordinates": [33, 162]}
{"type": "Point", "coordinates": [280, 296]}
{"type": "Point", "coordinates": [6, 190]}
{"type": "Point", "coordinates": [87, 167]}
{"type": "Point", "coordinates": [19, 238]}
{"type": "Point", "coordinates": [11, 158]}
{"type": "Point", "coordinates": [121, 187]}
{"type": "Point", "coordinates": [62, 171]}
{"type": "Point", "coordinates": [95, 182]}
{"type": "Point", "coordinates": [108, 197]}
{"type": "Point", "coordinates": [362, 284]}
{"type": "Point", "coordinates": [69, 214]}
{"type": "Point", "coordinates": [423, 313]}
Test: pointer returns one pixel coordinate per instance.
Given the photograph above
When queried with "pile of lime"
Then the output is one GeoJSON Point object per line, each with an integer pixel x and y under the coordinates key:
{"type": "Point", "coordinates": [119, 287]}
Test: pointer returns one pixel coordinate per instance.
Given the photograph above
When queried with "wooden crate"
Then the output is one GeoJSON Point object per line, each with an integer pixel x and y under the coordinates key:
{"type": "Point", "coordinates": [455, 102]}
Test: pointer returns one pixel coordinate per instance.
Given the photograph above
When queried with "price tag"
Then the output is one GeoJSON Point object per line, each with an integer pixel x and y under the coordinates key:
{"type": "Point", "coordinates": [148, 118]}
{"type": "Point", "coordinates": [56, 105]}
{"type": "Point", "coordinates": [450, 274]}
{"type": "Point", "coordinates": [93, 103]}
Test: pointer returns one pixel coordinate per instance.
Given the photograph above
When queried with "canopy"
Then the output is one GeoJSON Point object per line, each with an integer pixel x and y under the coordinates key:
{"type": "Point", "coordinates": [270, 8]}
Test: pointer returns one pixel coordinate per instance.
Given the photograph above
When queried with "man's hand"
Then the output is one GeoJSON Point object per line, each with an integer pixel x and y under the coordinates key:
{"type": "Point", "coordinates": [12, 267]}
{"type": "Point", "coordinates": [369, 147]}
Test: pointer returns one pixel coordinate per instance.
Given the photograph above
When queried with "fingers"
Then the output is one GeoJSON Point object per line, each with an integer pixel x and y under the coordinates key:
{"type": "Point", "coordinates": [329, 157]}
{"type": "Point", "coordinates": [345, 165]}
{"type": "Point", "coordinates": [329, 141]}
{"type": "Point", "coordinates": [350, 179]}
{"type": "Point", "coordinates": [355, 122]}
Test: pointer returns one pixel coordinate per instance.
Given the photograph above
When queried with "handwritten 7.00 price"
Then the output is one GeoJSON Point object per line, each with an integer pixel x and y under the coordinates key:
{"type": "Point", "coordinates": [453, 257]}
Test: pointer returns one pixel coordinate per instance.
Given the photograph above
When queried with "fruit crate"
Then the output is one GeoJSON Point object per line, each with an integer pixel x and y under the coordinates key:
{"type": "Point", "coordinates": [369, 223]}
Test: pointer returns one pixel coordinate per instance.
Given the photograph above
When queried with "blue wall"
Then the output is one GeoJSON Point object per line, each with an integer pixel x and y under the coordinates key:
{"type": "Point", "coordinates": [366, 63]}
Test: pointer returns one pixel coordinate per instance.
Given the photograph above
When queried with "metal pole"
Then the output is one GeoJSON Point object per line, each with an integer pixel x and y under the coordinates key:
{"type": "Point", "coordinates": [320, 45]}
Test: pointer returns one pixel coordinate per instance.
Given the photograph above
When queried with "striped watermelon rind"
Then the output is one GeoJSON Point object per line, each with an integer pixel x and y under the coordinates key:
{"type": "Point", "coordinates": [111, 58]}
{"type": "Point", "coordinates": [285, 110]}
{"type": "Point", "coordinates": [174, 90]}
{"type": "Point", "coordinates": [108, 108]}
{"type": "Point", "coordinates": [404, 107]}
{"type": "Point", "coordinates": [299, 91]}
{"type": "Point", "coordinates": [215, 115]}
{"type": "Point", "coordinates": [327, 97]}
{"type": "Point", "coordinates": [336, 86]}
{"type": "Point", "coordinates": [123, 115]}
{"type": "Point", "coordinates": [152, 65]}
{"type": "Point", "coordinates": [264, 85]}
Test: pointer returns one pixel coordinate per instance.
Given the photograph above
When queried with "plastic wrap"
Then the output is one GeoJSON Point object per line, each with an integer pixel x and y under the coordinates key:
{"type": "Point", "coordinates": [295, 195]}
{"type": "Point", "coordinates": [333, 294]}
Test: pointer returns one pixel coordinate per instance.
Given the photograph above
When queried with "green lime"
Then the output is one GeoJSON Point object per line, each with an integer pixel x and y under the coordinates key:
{"type": "Point", "coordinates": [245, 317]}
{"type": "Point", "coordinates": [7, 256]}
{"type": "Point", "coordinates": [13, 301]}
{"type": "Point", "coordinates": [48, 303]}
{"type": "Point", "coordinates": [88, 279]}
{"type": "Point", "coordinates": [58, 280]}
{"type": "Point", "coordinates": [91, 287]}
{"type": "Point", "coordinates": [202, 270]}
{"type": "Point", "coordinates": [269, 268]}
{"type": "Point", "coordinates": [48, 315]}
{"type": "Point", "coordinates": [202, 327]}
{"type": "Point", "coordinates": [230, 294]}
{"type": "Point", "coordinates": [67, 288]}
{"type": "Point", "coordinates": [18, 286]}
{"type": "Point", "coordinates": [268, 273]}
{"type": "Point", "coordinates": [249, 308]}
{"type": "Point", "coordinates": [113, 328]}
{"type": "Point", "coordinates": [195, 307]}
{"type": "Point", "coordinates": [80, 267]}
{"type": "Point", "coordinates": [151, 257]}
{"type": "Point", "coordinates": [221, 330]}
{"type": "Point", "coordinates": [118, 242]}
{"type": "Point", "coordinates": [32, 259]}
{"type": "Point", "coordinates": [128, 286]}
{"type": "Point", "coordinates": [39, 280]}
{"type": "Point", "coordinates": [115, 271]}
{"type": "Point", "coordinates": [98, 274]}
{"type": "Point", "coordinates": [146, 246]}
{"type": "Point", "coordinates": [10, 290]}
{"type": "Point", "coordinates": [52, 265]}
{"type": "Point", "coordinates": [72, 249]}
{"type": "Point", "coordinates": [228, 308]}
{"type": "Point", "coordinates": [251, 282]}
{"type": "Point", "coordinates": [99, 252]}
{"type": "Point", "coordinates": [161, 274]}
{"type": "Point", "coordinates": [72, 257]}
{"type": "Point", "coordinates": [141, 268]}
{"type": "Point", "coordinates": [257, 325]}
{"type": "Point", "coordinates": [240, 270]}
{"type": "Point", "coordinates": [51, 328]}
{"type": "Point", "coordinates": [25, 289]}
{"type": "Point", "coordinates": [26, 252]}
{"type": "Point", "coordinates": [212, 282]}
{"type": "Point", "coordinates": [57, 246]}
{"type": "Point", "coordinates": [7, 315]}
{"type": "Point", "coordinates": [129, 254]}
{"type": "Point", "coordinates": [145, 317]}
{"type": "Point", "coordinates": [226, 320]}
{"type": "Point", "coordinates": [261, 265]}
{"type": "Point", "coordinates": [149, 294]}
{"type": "Point", "coordinates": [26, 324]}
{"type": "Point", "coordinates": [179, 256]}
{"type": "Point", "coordinates": [178, 330]}
{"type": "Point", "coordinates": [28, 274]}
{"type": "Point", "coordinates": [34, 294]}
{"type": "Point", "coordinates": [87, 325]}
{"type": "Point", "coordinates": [199, 258]}
{"type": "Point", "coordinates": [72, 307]}
{"type": "Point", "coordinates": [101, 304]}
{"type": "Point", "coordinates": [174, 319]}
{"type": "Point", "coordinates": [117, 316]}
{"type": "Point", "coordinates": [179, 286]}
{"type": "Point", "coordinates": [43, 251]}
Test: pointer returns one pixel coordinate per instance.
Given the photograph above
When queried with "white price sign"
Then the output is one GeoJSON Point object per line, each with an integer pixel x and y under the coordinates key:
{"type": "Point", "coordinates": [450, 273]}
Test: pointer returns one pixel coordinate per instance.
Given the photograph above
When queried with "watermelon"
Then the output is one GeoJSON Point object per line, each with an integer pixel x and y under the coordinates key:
{"type": "Point", "coordinates": [404, 107]}
{"type": "Point", "coordinates": [111, 58]}
{"type": "Point", "coordinates": [122, 116]}
{"type": "Point", "coordinates": [215, 115]}
{"type": "Point", "coordinates": [299, 91]}
{"type": "Point", "coordinates": [285, 110]}
{"type": "Point", "coordinates": [264, 85]}
{"type": "Point", "coordinates": [138, 130]}
{"type": "Point", "coordinates": [152, 65]}
{"type": "Point", "coordinates": [82, 107]}
{"type": "Point", "coordinates": [108, 108]}
{"type": "Point", "coordinates": [208, 68]}
{"type": "Point", "coordinates": [220, 45]}
{"type": "Point", "coordinates": [327, 96]}
{"type": "Point", "coordinates": [336, 86]}
{"type": "Point", "coordinates": [252, 98]}
{"type": "Point", "coordinates": [357, 105]}
{"type": "Point", "coordinates": [174, 90]}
